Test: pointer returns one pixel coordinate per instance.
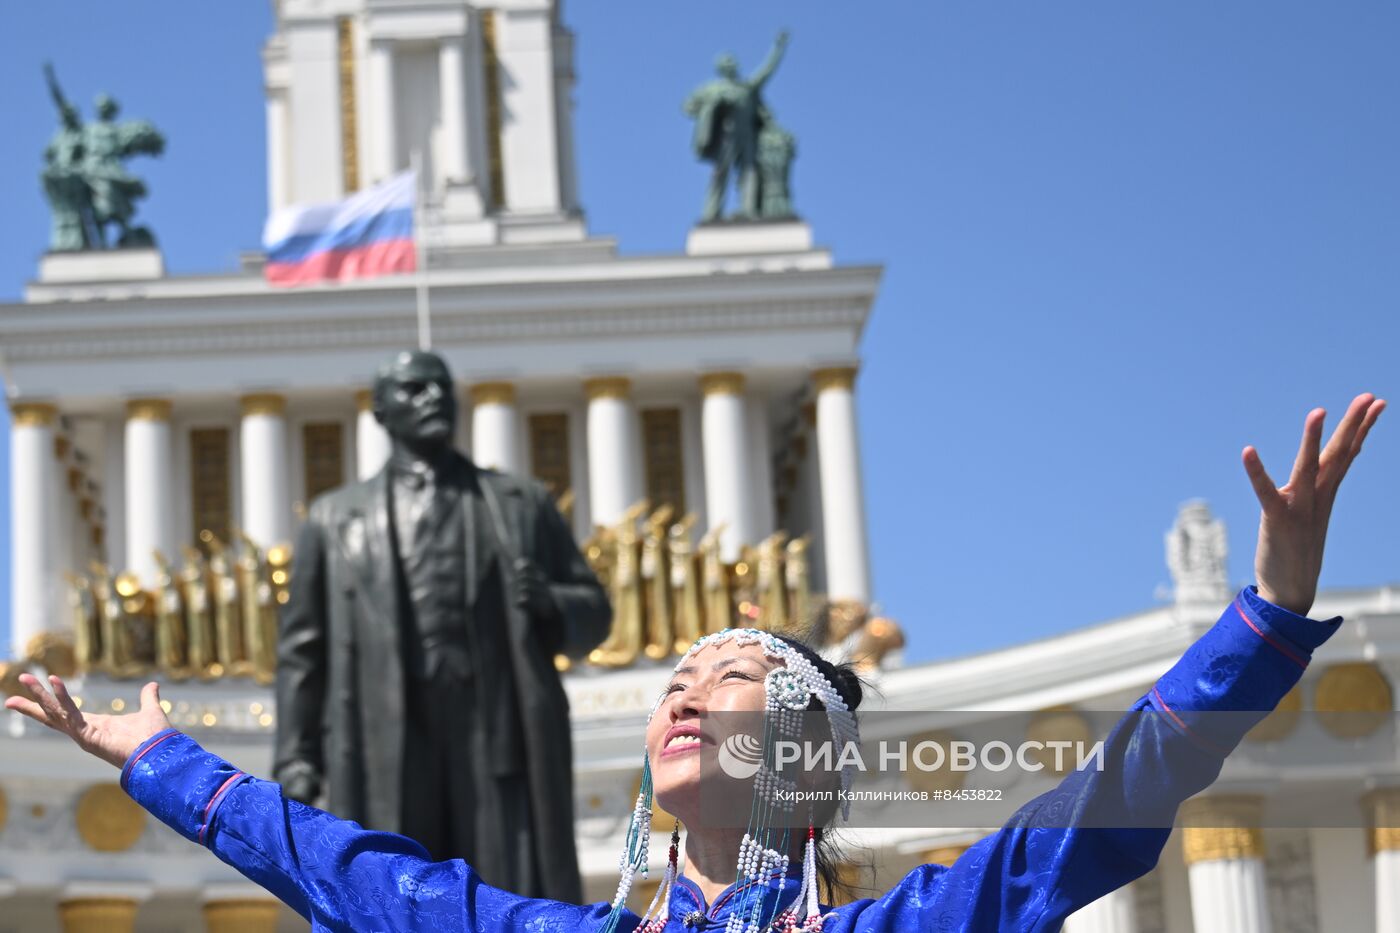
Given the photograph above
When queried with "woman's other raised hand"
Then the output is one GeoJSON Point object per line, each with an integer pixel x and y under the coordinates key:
{"type": "Point", "coordinates": [111, 738]}
{"type": "Point", "coordinates": [1293, 518]}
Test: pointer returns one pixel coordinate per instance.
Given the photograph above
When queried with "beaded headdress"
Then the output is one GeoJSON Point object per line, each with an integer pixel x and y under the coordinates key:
{"type": "Point", "coordinates": [762, 856]}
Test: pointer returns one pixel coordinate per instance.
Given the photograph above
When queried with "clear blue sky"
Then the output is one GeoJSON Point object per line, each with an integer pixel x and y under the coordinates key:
{"type": "Point", "coordinates": [1121, 240]}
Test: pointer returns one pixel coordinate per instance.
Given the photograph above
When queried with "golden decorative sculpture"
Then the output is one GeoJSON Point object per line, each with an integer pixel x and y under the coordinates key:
{"type": "Point", "coordinates": [656, 581]}
{"type": "Point", "coordinates": [114, 598]}
{"type": "Point", "coordinates": [172, 637]}
{"type": "Point", "coordinates": [217, 616]}
{"type": "Point", "coordinates": [4, 809]}
{"type": "Point", "coordinates": [878, 638]}
{"type": "Point", "coordinates": [719, 606]}
{"type": "Point", "coordinates": [624, 643]}
{"type": "Point", "coordinates": [109, 820]}
{"type": "Point", "coordinates": [844, 617]}
{"type": "Point", "coordinates": [9, 678]}
{"type": "Point", "coordinates": [202, 642]}
{"type": "Point", "coordinates": [259, 606]}
{"type": "Point", "coordinates": [771, 584]}
{"type": "Point", "coordinates": [686, 594]}
{"type": "Point", "coordinates": [53, 652]}
{"type": "Point", "coordinates": [87, 627]}
{"type": "Point", "coordinates": [228, 607]}
{"type": "Point", "coordinates": [798, 577]}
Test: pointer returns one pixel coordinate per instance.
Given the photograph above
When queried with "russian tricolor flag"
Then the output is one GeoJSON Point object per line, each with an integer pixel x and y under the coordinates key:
{"type": "Point", "coordinates": [368, 234]}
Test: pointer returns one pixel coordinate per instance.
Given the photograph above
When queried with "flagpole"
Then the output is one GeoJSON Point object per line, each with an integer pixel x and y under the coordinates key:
{"type": "Point", "coordinates": [420, 256]}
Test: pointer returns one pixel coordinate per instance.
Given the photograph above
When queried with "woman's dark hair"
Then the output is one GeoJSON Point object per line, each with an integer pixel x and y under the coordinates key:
{"type": "Point", "coordinates": [830, 852]}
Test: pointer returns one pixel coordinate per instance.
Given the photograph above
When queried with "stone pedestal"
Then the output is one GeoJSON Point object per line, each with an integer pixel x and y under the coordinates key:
{"type": "Point", "coordinates": [740, 237]}
{"type": "Point", "coordinates": [102, 265]}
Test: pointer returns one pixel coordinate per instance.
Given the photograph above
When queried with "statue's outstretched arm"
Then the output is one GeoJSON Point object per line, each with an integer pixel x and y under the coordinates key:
{"type": "Point", "coordinates": [55, 91]}
{"type": "Point", "coordinates": [770, 64]}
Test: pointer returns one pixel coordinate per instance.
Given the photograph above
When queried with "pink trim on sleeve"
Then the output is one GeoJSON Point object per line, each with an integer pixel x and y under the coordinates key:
{"type": "Point", "coordinates": [209, 807]}
{"type": "Point", "coordinates": [1283, 648]}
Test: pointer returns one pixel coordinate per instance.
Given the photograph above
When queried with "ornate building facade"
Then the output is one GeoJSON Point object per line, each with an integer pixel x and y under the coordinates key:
{"type": "Point", "coordinates": [694, 414]}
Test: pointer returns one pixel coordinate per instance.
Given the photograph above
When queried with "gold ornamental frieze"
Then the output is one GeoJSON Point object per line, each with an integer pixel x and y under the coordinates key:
{"type": "Point", "coordinates": [215, 613]}
{"type": "Point", "coordinates": [108, 820]}
{"type": "Point", "coordinates": [4, 809]}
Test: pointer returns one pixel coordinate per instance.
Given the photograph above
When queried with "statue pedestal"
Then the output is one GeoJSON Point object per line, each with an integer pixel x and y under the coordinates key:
{"type": "Point", "coordinates": [743, 237]}
{"type": "Point", "coordinates": [101, 265]}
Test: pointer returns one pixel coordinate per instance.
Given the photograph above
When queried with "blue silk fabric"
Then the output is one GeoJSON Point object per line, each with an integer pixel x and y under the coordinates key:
{"type": "Point", "coordinates": [1028, 876]}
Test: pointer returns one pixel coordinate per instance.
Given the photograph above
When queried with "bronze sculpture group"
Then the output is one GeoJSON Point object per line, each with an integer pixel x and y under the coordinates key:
{"type": "Point", "coordinates": [87, 186]}
{"type": "Point", "coordinates": [737, 133]}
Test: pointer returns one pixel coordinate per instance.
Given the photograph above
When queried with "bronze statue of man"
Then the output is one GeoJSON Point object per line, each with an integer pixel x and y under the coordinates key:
{"type": "Point", "coordinates": [729, 114]}
{"type": "Point", "coordinates": [416, 675]}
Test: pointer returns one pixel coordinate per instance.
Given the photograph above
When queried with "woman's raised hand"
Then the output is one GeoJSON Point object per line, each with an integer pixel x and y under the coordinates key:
{"type": "Point", "coordinates": [1293, 518]}
{"type": "Point", "coordinates": [111, 738]}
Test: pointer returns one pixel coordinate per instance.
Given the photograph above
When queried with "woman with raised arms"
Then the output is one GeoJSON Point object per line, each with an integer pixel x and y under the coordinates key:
{"type": "Point", "coordinates": [1028, 876]}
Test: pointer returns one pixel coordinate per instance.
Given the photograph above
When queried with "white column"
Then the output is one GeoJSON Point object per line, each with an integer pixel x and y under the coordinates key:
{"type": "Point", "coordinates": [1384, 811]}
{"type": "Point", "coordinates": [529, 137]}
{"type": "Point", "coordinates": [150, 487]}
{"type": "Point", "coordinates": [842, 495]}
{"type": "Point", "coordinates": [614, 449]}
{"type": "Point", "coordinates": [371, 440]}
{"type": "Point", "coordinates": [1224, 853]}
{"type": "Point", "coordinates": [496, 427]}
{"type": "Point", "coordinates": [278, 190]}
{"type": "Point", "coordinates": [264, 470]}
{"type": "Point", "coordinates": [452, 90]}
{"type": "Point", "coordinates": [1112, 913]}
{"type": "Point", "coordinates": [384, 131]}
{"type": "Point", "coordinates": [724, 428]}
{"type": "Point", "coordinates": [33, 608]}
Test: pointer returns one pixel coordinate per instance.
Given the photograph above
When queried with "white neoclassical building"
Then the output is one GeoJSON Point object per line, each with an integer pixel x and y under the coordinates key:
{"type": "Point", "coordinates": [698, 408]}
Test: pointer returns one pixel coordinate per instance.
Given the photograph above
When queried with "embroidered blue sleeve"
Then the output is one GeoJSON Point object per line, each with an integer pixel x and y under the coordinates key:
{"type": "Point", "coordinates": [1100, 829]}
{"type": "Point", "coordinates": [334, 873]}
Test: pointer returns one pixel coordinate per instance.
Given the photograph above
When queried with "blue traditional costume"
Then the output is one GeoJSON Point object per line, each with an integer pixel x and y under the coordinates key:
{"type": "Point", "coordinates": [1028, 876]}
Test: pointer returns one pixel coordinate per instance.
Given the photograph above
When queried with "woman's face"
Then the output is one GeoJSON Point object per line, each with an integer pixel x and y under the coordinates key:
{"type": "Point", "coordinates": [721, 678]}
